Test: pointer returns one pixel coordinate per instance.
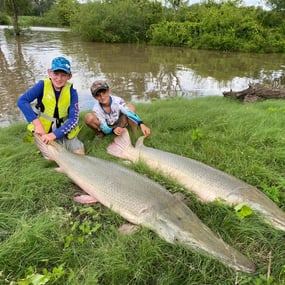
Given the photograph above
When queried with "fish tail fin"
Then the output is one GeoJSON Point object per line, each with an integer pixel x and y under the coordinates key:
{"type": "Point", "coordinates": [121, 146]}
{"type": "Point", "coordinates": [44, 148]}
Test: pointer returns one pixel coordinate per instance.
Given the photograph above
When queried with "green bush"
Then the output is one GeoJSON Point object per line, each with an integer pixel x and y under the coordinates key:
{"type": "Point", "coordinates": [117, 21]}
{"type": "Point", "coordinates": [5, 19]}
{"type": "Point", "coordinates": [222, 26]}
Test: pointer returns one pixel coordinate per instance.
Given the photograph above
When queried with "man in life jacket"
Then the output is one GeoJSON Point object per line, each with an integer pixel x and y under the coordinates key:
{"type": "Point", "coordinates": [55, 114]}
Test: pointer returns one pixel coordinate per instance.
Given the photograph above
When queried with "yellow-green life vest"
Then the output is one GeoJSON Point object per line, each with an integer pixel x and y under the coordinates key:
{"type": "Point", "coordinates": [49, 102]}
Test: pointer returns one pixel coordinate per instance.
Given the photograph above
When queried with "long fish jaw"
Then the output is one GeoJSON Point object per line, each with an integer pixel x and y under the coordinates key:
{"type": "Point", "coordinates": [210, 184]}
{"type": "Point", "coordinates": [178, 224]}
{"type": "Point", "coordinates": [259, 202]}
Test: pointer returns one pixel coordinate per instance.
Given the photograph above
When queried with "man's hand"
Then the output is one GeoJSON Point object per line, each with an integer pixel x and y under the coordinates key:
{"type": "Point", "coordinates": [38, 127]}
{"type": "Point", "coordinates": [145, 130]}
{"type": "Point", "coordinates": [48, 137]}
{"type": "Point", "coordinates": [118, 131]}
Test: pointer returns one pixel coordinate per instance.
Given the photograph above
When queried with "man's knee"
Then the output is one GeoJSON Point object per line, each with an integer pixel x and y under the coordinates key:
{"type": "Point", "coordinates": [132, 108]}
{"type": "Point", "coordinates": [92, 121]}
{"type": "Point", "coordinates": [89, 118]}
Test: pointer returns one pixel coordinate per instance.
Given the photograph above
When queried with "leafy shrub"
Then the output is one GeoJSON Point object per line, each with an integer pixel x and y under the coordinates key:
{"type": "Point", "coordinates": [5, 19]}
{"type": "Point", "coordinates": [174, 33]}
{"type": "Point", "coordinates": [117, 21]}
{"type": "Point", "coordinates": [222, 26]}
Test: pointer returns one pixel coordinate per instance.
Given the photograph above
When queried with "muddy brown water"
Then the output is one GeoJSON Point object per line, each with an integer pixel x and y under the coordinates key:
{"type": "Point", "coordinates": [138, 73]}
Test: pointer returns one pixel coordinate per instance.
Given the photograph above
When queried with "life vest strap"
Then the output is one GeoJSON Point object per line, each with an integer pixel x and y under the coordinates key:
{"type": "Point", "coordinates": [52, 119]}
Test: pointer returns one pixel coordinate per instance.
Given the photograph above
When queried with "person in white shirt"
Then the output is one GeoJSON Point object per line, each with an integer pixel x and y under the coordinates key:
{"type": "Point", "coordinates": [111, 114]}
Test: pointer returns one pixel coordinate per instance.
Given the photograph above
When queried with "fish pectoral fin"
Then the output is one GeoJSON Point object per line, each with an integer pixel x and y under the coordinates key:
{"type": "Point", "coordinates": [180, 196]}
{"type": "Point", "coordinates": [85, 199]}
{"type": "Point", "coordinates": [128, 229]}
{"type": "Point", "coordinates": [59, 169]}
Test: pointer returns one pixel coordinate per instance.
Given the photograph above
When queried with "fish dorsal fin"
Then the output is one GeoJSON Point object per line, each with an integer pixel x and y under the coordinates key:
{"type": "Point", "coordinates": [139, 142]}
{"type": "Point", "coordinates": [120, 146]}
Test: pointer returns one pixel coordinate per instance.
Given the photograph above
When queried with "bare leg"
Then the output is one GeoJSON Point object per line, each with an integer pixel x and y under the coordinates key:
{"type": "Point", "coordinates": [92, 122]}
{"type": "Point", "coordinates": [122, 122]}
{"type": "Point", "coordinates": [80, 151]}
{"type": "Point", "coordinates": [132, 124]}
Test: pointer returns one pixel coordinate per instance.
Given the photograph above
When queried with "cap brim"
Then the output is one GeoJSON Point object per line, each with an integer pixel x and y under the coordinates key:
{"type": "Point", "coordinates": [61, 69]}
{"type": "Point", "coordinates": [99, 89]}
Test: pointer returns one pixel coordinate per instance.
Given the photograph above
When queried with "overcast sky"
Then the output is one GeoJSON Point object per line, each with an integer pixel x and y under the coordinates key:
{"type": "Point", "coordinates": [246, 2]}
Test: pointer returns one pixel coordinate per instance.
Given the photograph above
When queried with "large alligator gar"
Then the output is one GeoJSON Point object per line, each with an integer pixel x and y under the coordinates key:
{"type": "Point", "coordinates": [206, 182]}
{"type": "Point", "coordinates": [143, 202]}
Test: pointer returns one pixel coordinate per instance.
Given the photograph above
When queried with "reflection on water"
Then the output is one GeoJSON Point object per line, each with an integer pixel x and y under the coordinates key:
{"type": "Point", "coordinates": [138, 73]}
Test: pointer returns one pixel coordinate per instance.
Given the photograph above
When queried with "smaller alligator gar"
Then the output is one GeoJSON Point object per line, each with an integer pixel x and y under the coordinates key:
{"type": "Point", "coordinates": [144, 202]}
{"type": "Point", "coordinates": [206, 182]}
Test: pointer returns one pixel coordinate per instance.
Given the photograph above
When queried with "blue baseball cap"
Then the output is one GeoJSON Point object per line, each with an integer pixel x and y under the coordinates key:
{"type": "Point", "coordinates": [60, 63]}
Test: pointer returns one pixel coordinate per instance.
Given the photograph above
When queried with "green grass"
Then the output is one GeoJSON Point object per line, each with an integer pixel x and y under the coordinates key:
{"type": "Point", "coordinates": [47, 238]}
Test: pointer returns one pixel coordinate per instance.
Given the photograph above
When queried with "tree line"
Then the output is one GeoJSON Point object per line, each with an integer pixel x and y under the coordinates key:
{"type": "Point", "coordinates": [225, 26]}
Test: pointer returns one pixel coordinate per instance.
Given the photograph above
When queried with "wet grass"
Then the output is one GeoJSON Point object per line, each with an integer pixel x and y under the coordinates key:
{"type": "Point", "coordinates": [45, 234]}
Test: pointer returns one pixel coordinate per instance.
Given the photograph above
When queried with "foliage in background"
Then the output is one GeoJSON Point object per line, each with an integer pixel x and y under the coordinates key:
{"type": "Point", "coordinates": [116, 21]}
{"type": "Point", "coordinates": [14, 8]}
{"type": "Point", "coordinates": [59, 15]}
{"type": "Point", "coordinates": [40, 7]}
{"type": "Point", "coordinates": [28, 8]}
{"type": "Point", "coordinates": [62, 12]}
{"type": "Point", "coordinates": [46, 238]}
{"type": "Point", "coordinates": [225, 25]}
{"type": "Point", "coordinates": [5, 19]}
{"type": "Point", "coordinates": [40, 13]}
{"type": "Point", "coordinates": [222, 26]}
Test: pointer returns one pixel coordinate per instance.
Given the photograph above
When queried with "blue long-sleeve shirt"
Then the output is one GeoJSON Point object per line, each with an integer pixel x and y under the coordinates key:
{"type": "Point", "coordinates": [36, 92]}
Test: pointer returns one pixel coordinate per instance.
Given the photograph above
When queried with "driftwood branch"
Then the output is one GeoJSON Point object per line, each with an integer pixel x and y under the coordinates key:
{"type": "Point", "coordinates": [256, 92]}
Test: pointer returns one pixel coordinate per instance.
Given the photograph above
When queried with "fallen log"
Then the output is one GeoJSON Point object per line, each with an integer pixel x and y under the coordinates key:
{"type": "Point", "coordinates": [256, 92]}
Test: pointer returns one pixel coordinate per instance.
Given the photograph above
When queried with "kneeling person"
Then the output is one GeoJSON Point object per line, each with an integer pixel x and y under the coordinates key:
{"type": "Point", "coordinates": [56, 114]}
{"type": "Point", "coordinates": [111, 114]}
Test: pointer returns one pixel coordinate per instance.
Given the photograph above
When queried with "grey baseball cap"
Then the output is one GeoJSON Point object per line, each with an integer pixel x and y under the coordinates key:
{"type": "Point", "coordinates": [97, 86]}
